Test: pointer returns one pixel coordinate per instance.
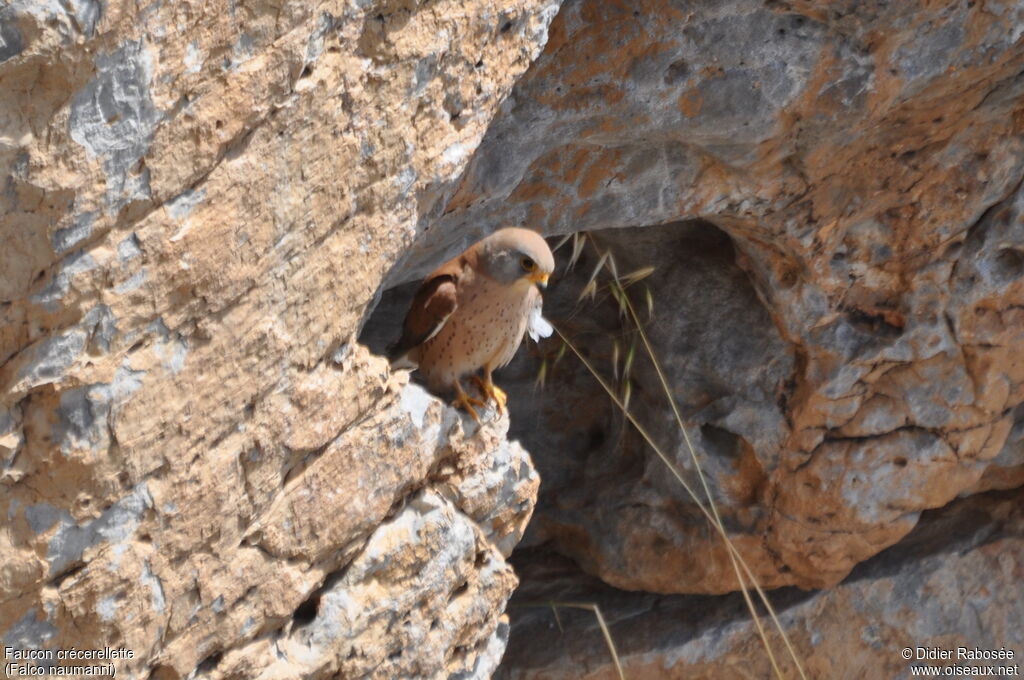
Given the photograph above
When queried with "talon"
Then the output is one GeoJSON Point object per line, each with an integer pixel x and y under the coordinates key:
{"type": "Point", "coordinates": [491, 391]}
{"type": "Point", "coordinates": [466, 402]}
{"type": "Point", "coordinates": [500, 398]}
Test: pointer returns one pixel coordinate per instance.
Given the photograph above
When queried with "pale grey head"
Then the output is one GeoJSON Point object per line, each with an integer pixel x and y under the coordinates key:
{"type": "Point", "coordinates": [512, 254]}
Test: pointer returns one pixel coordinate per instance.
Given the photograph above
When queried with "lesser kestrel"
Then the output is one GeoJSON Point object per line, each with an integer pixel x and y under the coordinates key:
{"type": "Point", "coordinates": [471, 313]}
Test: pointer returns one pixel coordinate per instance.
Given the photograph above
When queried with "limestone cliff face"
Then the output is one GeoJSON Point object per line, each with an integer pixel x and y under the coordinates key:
{"type": "Point", "coordinates": [203, 199]}
{"type": "Point", "coordinates": [198, 463]}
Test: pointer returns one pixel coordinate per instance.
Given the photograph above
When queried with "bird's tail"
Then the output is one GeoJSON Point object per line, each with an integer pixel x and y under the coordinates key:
{"type": "Point", "coordinates": [399, 357]}
{"type": "Point", "coordinates": [404, 362]}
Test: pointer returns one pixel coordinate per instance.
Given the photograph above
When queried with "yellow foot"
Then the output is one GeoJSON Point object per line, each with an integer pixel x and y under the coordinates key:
{"type": "Point", "coordinates": [466, 402]}
{"type": "Point", "coordinates": [491, 391]}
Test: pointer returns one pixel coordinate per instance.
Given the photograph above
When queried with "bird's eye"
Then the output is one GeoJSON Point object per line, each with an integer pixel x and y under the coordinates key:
{"type": "Point", "coordinates": [528, 264]}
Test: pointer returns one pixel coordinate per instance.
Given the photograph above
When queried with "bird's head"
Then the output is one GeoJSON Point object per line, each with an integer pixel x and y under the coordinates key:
{"type": "Point", "coordinates": [514, 255]}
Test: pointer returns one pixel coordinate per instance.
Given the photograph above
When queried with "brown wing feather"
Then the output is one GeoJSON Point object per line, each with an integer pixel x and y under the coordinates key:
{"type": "Point", "coordinates": [433, 303]}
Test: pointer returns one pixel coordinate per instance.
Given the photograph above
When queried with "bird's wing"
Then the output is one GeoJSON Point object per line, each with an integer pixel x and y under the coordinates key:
{"type": "Point", "coordinates": [431, 307]}
{"type": "Point", "coordinates": [536, 325]}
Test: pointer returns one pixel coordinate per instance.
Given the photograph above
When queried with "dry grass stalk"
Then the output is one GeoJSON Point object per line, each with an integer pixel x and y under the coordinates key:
{"type": "Point", "coordinates": [626, 308]}
{"type": "Point", "coordinates": [591, 607]}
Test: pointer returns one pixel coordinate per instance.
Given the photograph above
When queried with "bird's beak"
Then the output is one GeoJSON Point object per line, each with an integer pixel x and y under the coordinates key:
{"type": "Point", "coordinates": [540, 278]}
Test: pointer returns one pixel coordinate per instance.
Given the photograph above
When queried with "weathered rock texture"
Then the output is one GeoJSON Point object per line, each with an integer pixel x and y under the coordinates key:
{"type": "Point", "coordinates": [954, 581]}
{"type": "Point", "coordinates": [203, 199]}
{"type": "Point", "coordinates": [199, 465]}
{"type": "Point", "coordinates": [838, 234]}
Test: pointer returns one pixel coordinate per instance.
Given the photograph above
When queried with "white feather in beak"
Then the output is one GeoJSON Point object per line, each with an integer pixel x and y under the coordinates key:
{"type": "Point", "coordinates": [537, 326]}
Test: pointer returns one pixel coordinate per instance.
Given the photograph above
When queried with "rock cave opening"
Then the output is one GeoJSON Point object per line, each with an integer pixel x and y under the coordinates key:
{"type": "Point", "coordinates": [607, 506]}
{"type": "Point", "coordinates": [611, 527]}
